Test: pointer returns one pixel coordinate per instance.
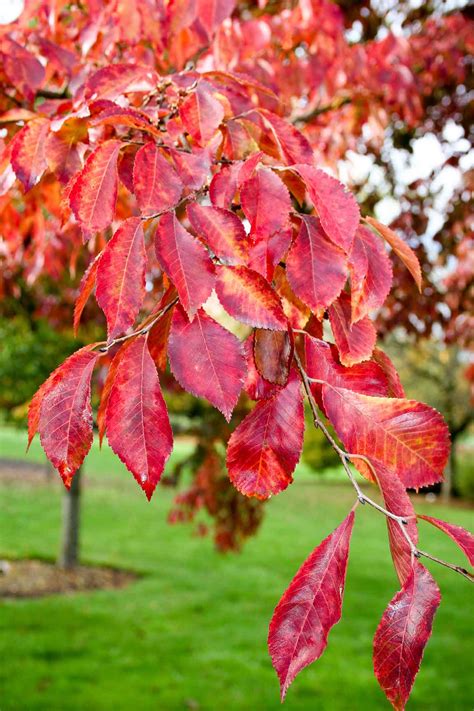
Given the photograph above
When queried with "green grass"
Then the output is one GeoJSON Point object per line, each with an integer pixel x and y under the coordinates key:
{"type": "Point", "coordinates": [191, 633]}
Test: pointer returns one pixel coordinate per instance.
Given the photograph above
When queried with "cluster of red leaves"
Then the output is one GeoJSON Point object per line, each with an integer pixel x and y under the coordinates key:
{"type": "Point", "coordinates": [235, 517]}
{"type": "Point", "coordinates": [204, 188]}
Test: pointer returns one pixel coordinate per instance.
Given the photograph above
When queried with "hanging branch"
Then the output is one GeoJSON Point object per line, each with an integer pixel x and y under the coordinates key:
{"type": "Point", "coordinates": [345, 458]}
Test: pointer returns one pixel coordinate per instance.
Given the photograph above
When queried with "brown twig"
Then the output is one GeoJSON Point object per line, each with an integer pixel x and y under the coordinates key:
{"type": "Point", "coordinates": [345, 458]}
{"type": "Point", "coordinates": [318, 110]}
{"type": "Point", "coordinates": [192, 196]}
{"type": "Point", "coordinates": [145, 327]}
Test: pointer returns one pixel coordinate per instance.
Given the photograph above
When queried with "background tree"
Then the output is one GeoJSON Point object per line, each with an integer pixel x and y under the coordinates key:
{"type": "Point", "coordinates": [187, 105]}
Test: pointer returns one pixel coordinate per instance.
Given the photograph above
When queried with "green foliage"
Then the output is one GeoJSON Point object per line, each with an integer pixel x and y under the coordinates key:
{"type": "Point", "coordinates": [465, 471]}
{"type": "Point", "coordinates": [190, 632]}
{"type": "Point", "coordinates": [317, 452]}
{"type": "Point", "coordinates": [27, 356]}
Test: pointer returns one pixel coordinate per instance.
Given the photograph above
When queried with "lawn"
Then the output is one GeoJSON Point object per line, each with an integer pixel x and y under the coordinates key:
{"type": "Point", "coordinates": [191, 633]}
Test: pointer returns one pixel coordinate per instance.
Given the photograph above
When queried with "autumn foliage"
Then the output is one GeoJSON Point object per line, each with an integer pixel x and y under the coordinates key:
{"type": "Point", "coordinates": [164, 157]}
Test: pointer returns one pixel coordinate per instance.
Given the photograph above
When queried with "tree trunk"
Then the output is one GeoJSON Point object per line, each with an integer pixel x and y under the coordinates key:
{"type": "Point", "coordinates": [69, 554]}
{"type": "Point", "coordinates": [448, 489]}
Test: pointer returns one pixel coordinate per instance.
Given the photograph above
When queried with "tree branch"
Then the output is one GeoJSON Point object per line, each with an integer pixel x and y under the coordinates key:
{"type": "Point", "coordinates": [144, 328]}
{"type": "Point", "coordinates": [345, 458]}
{"type": "Point", "coordinates": [318, 110]}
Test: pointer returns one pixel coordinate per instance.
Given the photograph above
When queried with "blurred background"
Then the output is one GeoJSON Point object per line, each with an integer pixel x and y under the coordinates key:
{"type": "Point", "coordinates": [107, 601]}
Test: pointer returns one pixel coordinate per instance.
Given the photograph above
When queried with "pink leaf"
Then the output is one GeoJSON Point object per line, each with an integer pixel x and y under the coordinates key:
{"type": "Point", "coordinates": [121, 277]}
{"type": "Point", "coordinates": [310, 607]}
{"type": "Point", "coordinates": [398, 502]}
{"type": "Point", "coordinates": [402, 634]}
{"type": "Point", "coordinates": [28, 155]}
{"type": "Point", "coordinates": [138, 428]}
{"type": "Point", "coordinates": [393, 379]}
{"type": "Point", "coordinates": [201, 113]}
{"type": "Point", "coordinates": [265, 448]}
{"type": "Point", "coordinates": [94, 191]}
{"type": "Point", "coordinates": [355, 341]}
{"type": "Point", "coordinates": [316, 268]}
{"type": "Point", "coordinates": [322, 364]}
{"type": "Point", "coordinates": [186, 262]}
{"type": "Point", "coordinates": [266, 203]}
{"type": "Point", "coordinates": [409, 438]}
{"type": "Point", "coordinates": [401, 249]}
{"type": "Point", "coordinates": [85, 290]}
{"type": "Point", "coordinates": [156, 184]}
{"type": "Point", "coordinates": [266, 253]}
{"type": "Point", "coordinates": [193, 168]}
{"type": "Point", "coordinates": [65, 414]}
{"type": "Point", "coordinates": [337, 208]}
{"type": "Point", "coordinates": [222, 231]}
{"type": "Point", "coordinates": [249, 298]}
{"type": "Point", "coordinates": [115, 80]}
{"type": "Point", "coordinates": [371, 274]}
{"type": "Point", "coordinates": [293, 145]}
{"type": "Point", "coordinates": [206, 360]}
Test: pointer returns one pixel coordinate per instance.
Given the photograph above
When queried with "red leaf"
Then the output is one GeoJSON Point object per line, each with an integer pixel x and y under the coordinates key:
{"type": "Point", "coordinates": [249, 298]}
{"type": "Point", "coordinates": [401, 249]}
{"type": "Point", "coordinates": [230, 178]}
{"type": "Point", "coordinates": [266, 203]}
{"type": "Point", "coordinates": [106, 112]}
{"type": "Point", "coordinates": [224, 186]}
{"type": "Point", "coordinates": [273, 351]}
{"type": "Point", "coordinates": [256, 386]}
{"type": "Point", "coordinates": [105, 394]}
{"type": "Point", "coordinates": [121, 277]}
{"type": "Point", "coordinates": [464, 539]}
{"type": "Point", "coordinates": [316, 268]}
{"type": "Point", "coordinates": [94, 192]}
{"type": "Point", "coordinates": [265, 448]}
{"type": "Point", "coordinates": [310, 607]}
{"type": "Point", "coordinates": [293, 145]}
{"type": "Point", "coordinates": [65, 413]}
{"type": "Point", "coordinates": [159, 334]}
{"type": "Point", "coordinates": [85, 290]}
{"type": "Point", "coordinates": [23, 69]}
{"type": "Point", "coordinates": [402, 634]}
{"type": "Point", "coordinates": [321, 364]}
{"type": "Point", "coordinates": [222, 231]}
{"type": "Point", "coordinates": [193, 168]}
{"type": "Point", "coordinates": [409, 438]}
{"type": "Point", "coordinates": [62, 156]}
{"type": "Point", "coordinates": [397, 502]}
{"type": "Point", "coordinates": [206, 360]}
{"type": "Point", "coordinates": [115, 80]}
{"type": "Point", "coordinates": [138, 428]}
{"type": "Point", "coordinates": [201, 113]}
{"type": "Point", "coordinates": [294, 309]}
{"type": "Point", "coordinates": [266, 253]}
{"type": "Point", "coordinates": [337, 208]}
{"type": "Point", "coordinates": [186, 262]}
{"type": "Point", "coordinates": [156, 184]}
{"type": "Point", "coordinates": [212, 13]}
{"type": "Point", "coordinates": [355, 342]}
{"type": "Point", "coordinates": [28, 155]}
{"type": "Point", "coordinates": [395, 386]}
{"type": "Point", "coordinates": [34, 407]}
{"type": "Point", "coordinates": [371, 274]}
